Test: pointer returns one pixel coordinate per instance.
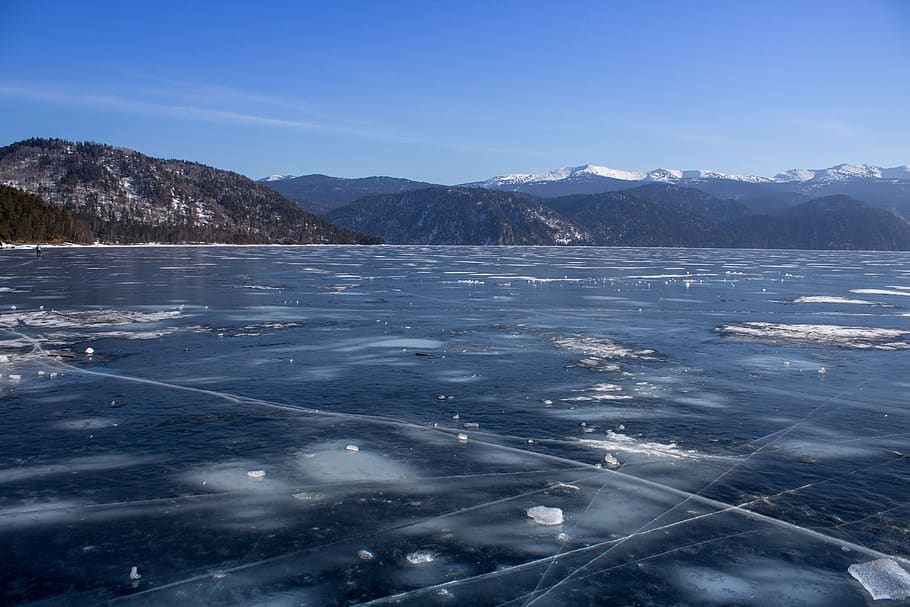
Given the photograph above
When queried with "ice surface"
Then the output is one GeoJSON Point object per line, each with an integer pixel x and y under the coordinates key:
{"type": "Point", "coordinates": [882, 579]}
{"type": "Point", "coordinates": [742, 475]}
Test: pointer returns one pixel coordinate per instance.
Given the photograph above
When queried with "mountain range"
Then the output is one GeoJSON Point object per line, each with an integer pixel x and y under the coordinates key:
{"type": "Point", "coordinates": [120, 195]}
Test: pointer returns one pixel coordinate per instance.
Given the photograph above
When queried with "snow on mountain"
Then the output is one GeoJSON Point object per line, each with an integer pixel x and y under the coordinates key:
{"type": "Point", "coordinates": [593, 170]}
{"type": "Point", "coordinates": [277, 178]}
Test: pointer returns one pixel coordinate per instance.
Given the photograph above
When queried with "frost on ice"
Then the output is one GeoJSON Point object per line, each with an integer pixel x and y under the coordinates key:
{"type": "Point", "coordinates": [882, 578]}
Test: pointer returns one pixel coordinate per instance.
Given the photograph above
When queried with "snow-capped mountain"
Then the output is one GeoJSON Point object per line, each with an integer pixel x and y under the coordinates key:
{"type": "Point", "coordinates": [277, 178]}
{"type": "Point", "coordinates": [841, 172]}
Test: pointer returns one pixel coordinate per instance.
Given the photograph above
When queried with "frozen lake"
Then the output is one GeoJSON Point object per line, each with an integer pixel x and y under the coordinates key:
{"type": "Point", "coordinates": [372, 425]}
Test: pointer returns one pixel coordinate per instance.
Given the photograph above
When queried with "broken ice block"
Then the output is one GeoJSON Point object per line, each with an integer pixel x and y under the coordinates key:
{"type": "Point", "coordinates": [256, 474]}
{"type": "Point", "coordinates": [543, 515]}
{"type": "Point", "coordinates": [134, 573]}
{"type": "Point", "coordinates": [882, 578]}
{"type": "Point", "coordinates": [462, 437]}
{"type": "Point", "coordinates": [90, 350]}
{"type": "Point", "coordinates": [610, 461]}
{"type": "Point", "coordinates": [471, 426]}
{"type": "Point", "coordinates": [352, 448]}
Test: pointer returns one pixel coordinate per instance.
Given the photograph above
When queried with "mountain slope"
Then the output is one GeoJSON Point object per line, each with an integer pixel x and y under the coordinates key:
{"type": "Point", "coordinates": [127, 197]}
{"type": "Point", "coordinates": [320, 193]}
{"type": "Point", "coordinates": [446, 215]}
{"type": "Point", "coordinates": [696, 201]}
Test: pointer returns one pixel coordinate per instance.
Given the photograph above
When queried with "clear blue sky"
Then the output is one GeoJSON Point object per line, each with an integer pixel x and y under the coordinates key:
{"type": "Point", "coordinates": [458, 91]}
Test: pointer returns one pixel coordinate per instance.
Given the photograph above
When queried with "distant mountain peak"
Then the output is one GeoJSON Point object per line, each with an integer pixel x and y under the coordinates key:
{"type": "Point", "coordinates": [277, 178]}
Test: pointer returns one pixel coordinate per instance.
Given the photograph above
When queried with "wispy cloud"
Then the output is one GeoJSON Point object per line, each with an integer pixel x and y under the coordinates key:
{"type": "Point", "coordinates": [190, 112]}
{"type": "Point", "coordinates": [195, 110]}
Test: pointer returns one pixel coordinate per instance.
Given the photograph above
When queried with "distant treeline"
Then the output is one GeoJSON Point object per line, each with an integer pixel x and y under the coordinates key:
{"type": "Point", "coordinates": [27, 218]}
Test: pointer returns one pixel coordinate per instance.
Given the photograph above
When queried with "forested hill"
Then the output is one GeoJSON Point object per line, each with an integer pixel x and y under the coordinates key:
{"type": "Point", "coordinates": [127, 197]}
{"type": "Point", "coordinates": [25, 217]}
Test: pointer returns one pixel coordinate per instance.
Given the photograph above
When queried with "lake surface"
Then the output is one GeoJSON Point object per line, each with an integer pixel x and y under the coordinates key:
{"type": "Point", "coordinates": [280, 425]}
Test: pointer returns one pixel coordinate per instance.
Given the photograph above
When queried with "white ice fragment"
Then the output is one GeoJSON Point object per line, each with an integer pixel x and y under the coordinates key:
{"type": "Point", "coordinates": [548, 402]}
{"type": "Point", "coordinates": [14, 377]}
{"type": "Point", "coordinates": [256, 474]}
{"type": "Point", "coordinates": [90, 350]}
{"type": "Point", "coordinates": [882, 578]}
{"type": "Point", "coordinates": [471, 426]}
{"type": "Point", "coordinates": [40, 373]}
{"type": "Point", "coordinates": [543, 515]}
{"type": "Point", "coordinates": [365, 555]}
{"type": "Point", "coordinates": [420, 557]}
{"type": "Point", "coordinates": [610, 461]}
{"type": "Point", "coordinates": [352, 448]}
{"type": "Point", "coordinates": [134, 573]}
{"type": "Point", "coordinates": [822, 370]}
{"type": "Point", "coordinates": [441, 397]}
{"type": "Point", "coordinates": [456, 417]}
{"type": "Point", "coordinates": [462, 437]}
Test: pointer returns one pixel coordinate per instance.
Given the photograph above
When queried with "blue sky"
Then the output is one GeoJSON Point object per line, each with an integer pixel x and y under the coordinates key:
{"type": "Point", "coordinates": [451, 92]}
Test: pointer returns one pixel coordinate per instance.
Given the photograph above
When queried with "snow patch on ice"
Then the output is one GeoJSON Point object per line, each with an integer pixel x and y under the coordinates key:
{"type": "Point", "coordinates": [822, 299]}
{"type": "Point", "coordinates": [862, 338]}
{"type": "Point", "coordinates": [616, 441]}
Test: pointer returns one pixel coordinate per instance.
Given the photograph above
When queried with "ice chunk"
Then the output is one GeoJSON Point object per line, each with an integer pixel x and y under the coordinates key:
{"type": "Point", "coordinates": [134, 573]}
{"type": "Point", "coordinates": [352, 448]}
{"type": "Point", "coordinates": [471, 426]}
{"type": "Point", "coordinates": [421, 556]}
{"type": "Point", "coordinates": [543, 515]}
{"type": "Point", "coordinates": [365, 555]}
{"type": "Point", "coordinates": [882, 578]}
{"type": "Point", "coordinates": [462, 437]}
{"type": "Point", "coordinates": [610, 461]}
{"type": "Point", "coordinates": [256, 474]}
{"type": "Point", "coordinates": [90, 350]}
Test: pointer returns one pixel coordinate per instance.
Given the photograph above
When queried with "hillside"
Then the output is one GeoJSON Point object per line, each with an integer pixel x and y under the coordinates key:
{"type": "Point", "coordinates": [127, 197]}
{"type": "Point", "coordinates": [831, 222]}
{"type": "Point", "coordinates": [27, 218]}
{"type": "Point", "coordinates": [621, 219]}
{"type": "Point", "coordinates": [320, 193]}
{"type": "Point", "coordinates": [446, 215]}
